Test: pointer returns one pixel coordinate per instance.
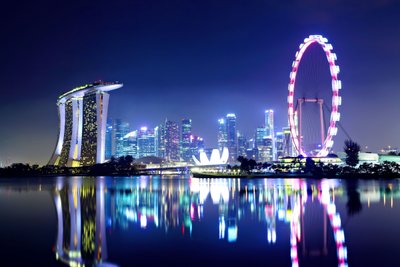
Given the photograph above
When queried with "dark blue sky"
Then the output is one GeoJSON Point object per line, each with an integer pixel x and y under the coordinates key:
{"type": "Point", "coordinates": [196, 59]}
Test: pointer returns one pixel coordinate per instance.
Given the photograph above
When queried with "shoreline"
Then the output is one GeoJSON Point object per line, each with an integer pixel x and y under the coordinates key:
{"type": "Point", "coordinates": [362, 176]}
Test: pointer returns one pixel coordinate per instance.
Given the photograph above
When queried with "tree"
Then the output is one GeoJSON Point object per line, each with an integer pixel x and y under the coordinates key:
{"type": "Point", "coordinates": [310, 165]}
{"type": "Point", "coordinates": [252, 164]}
{"type": "Point", "coordinates": [351, 149]}
{"type": "Point", "coordinates": [244, 164]}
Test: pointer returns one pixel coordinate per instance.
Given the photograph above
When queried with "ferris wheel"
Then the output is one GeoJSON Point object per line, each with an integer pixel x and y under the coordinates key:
{"type": "Point", "coordinates": [295, 113]}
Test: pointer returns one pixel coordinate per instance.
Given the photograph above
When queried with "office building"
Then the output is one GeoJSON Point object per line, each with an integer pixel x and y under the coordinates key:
{"type": "Point", "coordinates": [231, 137]}
{"type": "Point", "coordinates": [270, 132]}
{"type": "Point", "coordinates": [222, 134]}
{"type": "Point", "coordinates": [120, 130]}
{"type": "Point", "coordinates": [146, 143]}
{"type": "Point", "coordinates": [171, 141]}
{"type": "Point", "coordinates": [185, 140]}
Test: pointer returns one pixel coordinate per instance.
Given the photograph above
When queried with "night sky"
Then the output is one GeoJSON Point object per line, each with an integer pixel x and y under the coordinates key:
{"type": "Point", "coordinates": [195, 59]}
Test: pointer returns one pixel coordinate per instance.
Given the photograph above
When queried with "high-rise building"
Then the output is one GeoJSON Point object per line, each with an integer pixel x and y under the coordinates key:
{"type": "Point", "coordinates": [288, 148]}
{"type": "Point", "coordinates": [196, 145]}
{"type": "Point", "coordinates": [159, 133]}
{"type": "Point", "coordinates": [121, 129]}
{"type": "Point", "coordinates": [130, 147]}
{"type": "Point", "coordinates": [279, 141]}
{"type": "Point", "coordinates": [261, 134]}
{"type": "Point", "coordinates": [251, 149]}
{"type": "Point", "coordinates": [270, 132]}
{"type": "Point", "coordinates": [231, 134]}
{"type": "Point", "coordinates": [264, 145]}
{"type": "Point", "coordinates": [185, 144]}
{"type": "Point", "coordinates": [242, 145]}
{"type": "Point", "coordinates": [109, 140]}
{"type": "Point", "coordinates": [222, 134]}
{"type": "Point", "coordinates": [146, 143]}
{"type": "Point", "coordinates": [82, 131]}
{"type": "Point", "coordinates": [171, 141]}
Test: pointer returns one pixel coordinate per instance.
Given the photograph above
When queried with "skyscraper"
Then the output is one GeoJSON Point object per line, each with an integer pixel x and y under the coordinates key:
{"type": "Point", "coordinates": [130, 144]}
{"type": "Point", "coordinates": [269, 126]}
{"type": "Point", "coordinates": [264, 145]}
{"type": "Point", "coordinates": [288, 149]}
{"type": "Point", "coordinates": [222, 134]}
{"type": "Point", "coordinates": [171, 141]}
{"type": "Point", "coordinates": [159, 133]}
{"type": "Point", "coordinates": [146, 143]}
{"type": "Point", "coordinates": [185, 144]}
{"type": "Point", "coordinates": [279, 141]}
{"type": "Point", "coordinates": [196, 144]}
{"type": "Point", "coordinates": [231, 135]}
{"type": "Point", "coordinates": [82, 115]}
{"type": "Point", "coordinates": [109, 140]}
{"type": "Point", "coordinates": [121, 129]}
{"type": "Point", "coordinates": [242, 145]}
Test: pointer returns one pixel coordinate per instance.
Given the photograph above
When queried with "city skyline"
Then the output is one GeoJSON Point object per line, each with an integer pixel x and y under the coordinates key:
{"type": "Point", "coordinates": [184, 67]}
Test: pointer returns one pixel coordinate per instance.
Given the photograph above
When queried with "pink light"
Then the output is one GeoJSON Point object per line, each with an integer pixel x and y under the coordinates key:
{"type": "Point", "coordinates": [336, 99]}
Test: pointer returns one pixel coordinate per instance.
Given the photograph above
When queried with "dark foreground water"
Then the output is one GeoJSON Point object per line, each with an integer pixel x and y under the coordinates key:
{"type": "Point", "coordinates": [178, 221]}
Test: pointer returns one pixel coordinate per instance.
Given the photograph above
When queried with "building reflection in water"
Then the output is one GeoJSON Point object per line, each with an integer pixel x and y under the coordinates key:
{"type": "Point", "coordinates": [86, 207]}
{"type": "Point", "coordinates": [81, 238]}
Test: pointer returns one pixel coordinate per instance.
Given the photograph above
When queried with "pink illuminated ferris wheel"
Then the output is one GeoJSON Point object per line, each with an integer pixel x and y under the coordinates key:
{"type": "Point", "coordinates": [295, 112]}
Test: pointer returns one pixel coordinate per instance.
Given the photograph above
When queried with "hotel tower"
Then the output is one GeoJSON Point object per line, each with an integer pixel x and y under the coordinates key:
{"type": "Point", "coordinates": [83, 116]}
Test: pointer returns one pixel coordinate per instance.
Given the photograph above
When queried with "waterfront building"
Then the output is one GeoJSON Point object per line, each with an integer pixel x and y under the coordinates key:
{"type": "Point", "coordinates": [120, 130]}
{"type": "Point", "coordinates": [252, 153]}
{"type": "Point", "coordinates": [264, 145]}
{"type": "Point", "coordinates": [231, 137]}
{"type": "Point", "coordinates": [196, 145]}
{"type": "Point", "coordinates": [130, 145]}
{"type": "Point", "coordinates": [171, 141]}
{"type": "Point", "coordinates": [270, 132]}
{"type": "Point", "coordinates": [242, 145]}
{"type": "Point", "coordinates": [288, 148]}
{"type": "Point", "coordinates": [279, 141]}
{"type": "Point", "coordinates": [185, 142]}
{"type": "Point", "coordinates": [109, 140]}
{"type": "Point", "coordinates": [222, 134]}
{"type": "Point", "coordinates": [159, 133]}
{"type": "Point", "coordinates": [146, 143]}
{"type": "Point", "coordinates": [82, 125]}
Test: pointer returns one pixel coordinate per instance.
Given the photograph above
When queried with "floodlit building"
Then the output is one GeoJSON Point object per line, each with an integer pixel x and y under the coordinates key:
{"type": "Point", "coordinates": [222, 134]}
{"type": "Point", "coordinates": [109, 140]}
{"type": "Point", "coordinates": [264, 145]}
{"type": "Point", "coordinates": [130, 144]}
{"type": "Point", "coordinates": [231, 137]}
{"type": "Point", "coordinates": [120, 130]}
{"type": "Point", "coordinates": [171, 141]}
{"type": "Point", "coordinates": [82, 130]}
{"type": "Point", "coordinates": [159, 133]}
{"type": "Point", "coordinates": [185, 142]}
{"type": "Point", "coordinates": [146, 143]}
{"type": "Point", "coordinates": [279, 140]}
{"type": "Point", "coordinates": [287, 147]}
{"type": "Point", "coordinates": [269, 128]}
{"type": "Point", "coordinates": [242, 145]}
{"type": "Point", "coordinates": [196, 145]}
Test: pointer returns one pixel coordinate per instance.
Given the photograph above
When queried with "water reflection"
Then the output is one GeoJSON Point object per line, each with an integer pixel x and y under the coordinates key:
{"type": "Point", "coordinates": [81, 237]}
{"type": "Point", "coordinates": [88, 207]}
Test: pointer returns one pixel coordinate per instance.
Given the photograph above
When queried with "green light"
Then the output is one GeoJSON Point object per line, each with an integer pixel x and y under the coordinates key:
{"type": "Point", "coordinates": [75, 89]}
